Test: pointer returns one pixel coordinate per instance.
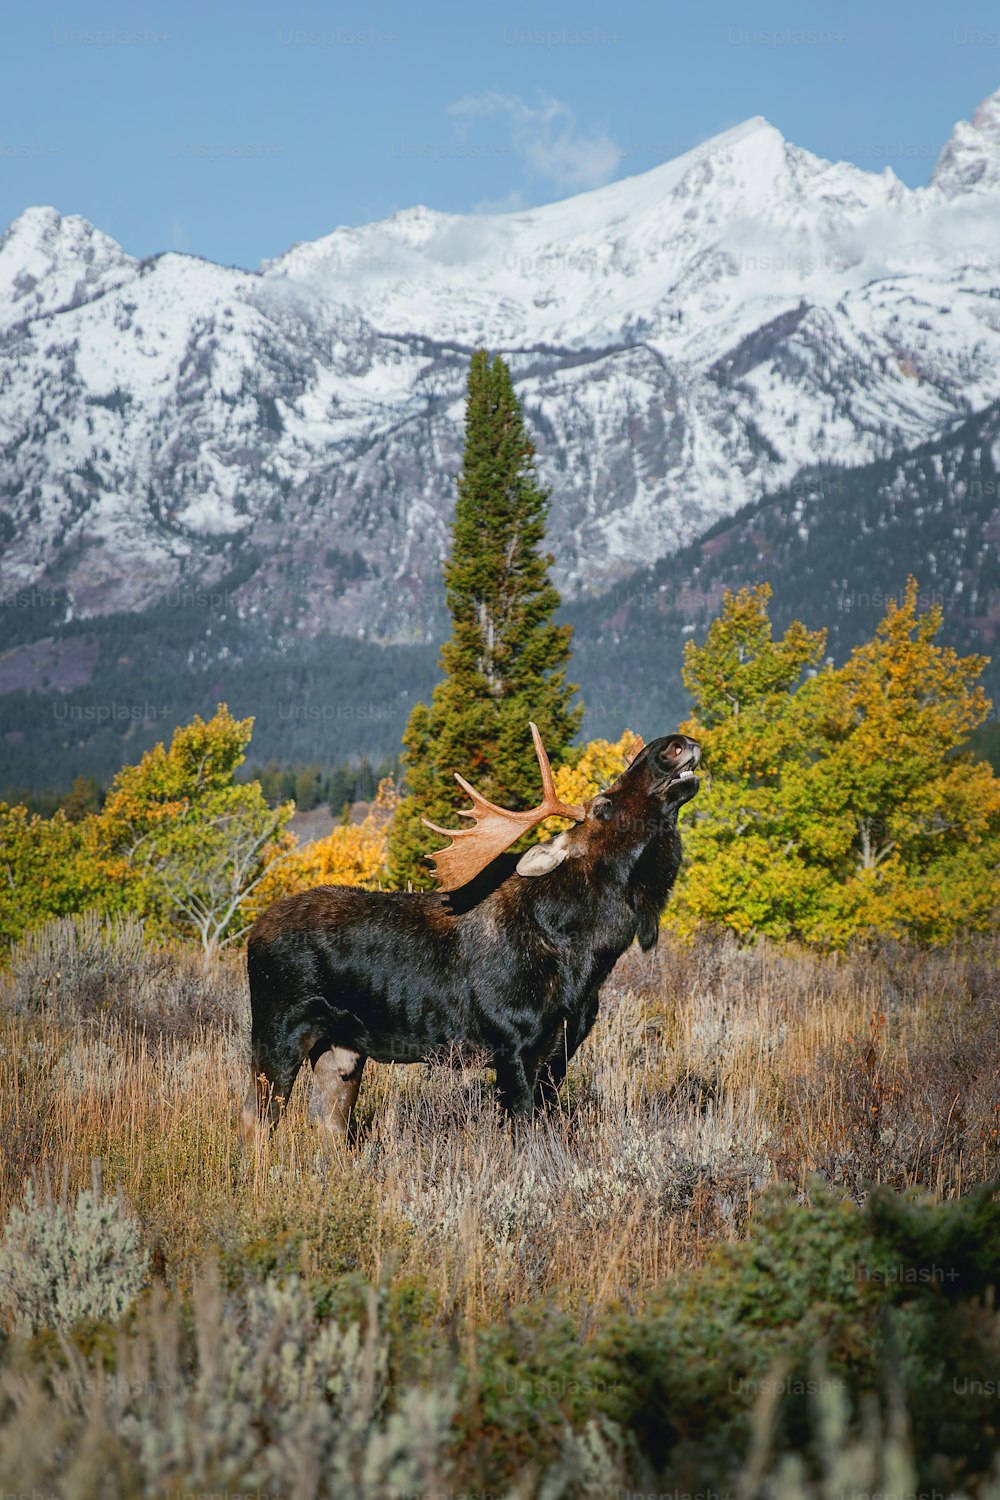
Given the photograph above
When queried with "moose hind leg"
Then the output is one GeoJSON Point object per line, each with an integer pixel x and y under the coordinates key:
{"type": "Point", "coordinates": [336, 1080]}
{"type": "Point", "coordinates": [274, 1073]}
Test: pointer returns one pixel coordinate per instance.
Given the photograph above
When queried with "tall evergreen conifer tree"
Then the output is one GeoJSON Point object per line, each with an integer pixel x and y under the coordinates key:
{"type": "Point", "coordinates": [505, 662]}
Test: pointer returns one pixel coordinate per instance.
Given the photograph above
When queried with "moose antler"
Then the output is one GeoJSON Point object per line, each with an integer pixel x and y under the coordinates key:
{"type": "Point", "coordinates": [495, 828]}
{"type": "Point", "coordinates": [637, 744]}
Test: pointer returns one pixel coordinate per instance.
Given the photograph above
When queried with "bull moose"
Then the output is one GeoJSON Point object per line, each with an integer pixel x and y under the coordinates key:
{"type": "Point", "coordinates": [507, 958]}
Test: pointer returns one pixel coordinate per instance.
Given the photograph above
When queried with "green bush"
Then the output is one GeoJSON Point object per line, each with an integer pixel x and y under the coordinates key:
{"type": "Point", "coordinates": [884, 1289]}
{"type": "Point", "coordinates": [825, 1309]}
{"type": "Point", "coordinates": [59, 1265]}
{"type": "Point", "coordinates": [258, 1394]}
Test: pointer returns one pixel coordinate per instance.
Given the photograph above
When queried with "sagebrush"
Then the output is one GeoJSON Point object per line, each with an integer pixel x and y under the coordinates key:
{"type": "Point", "coordinates": [614, 1299]}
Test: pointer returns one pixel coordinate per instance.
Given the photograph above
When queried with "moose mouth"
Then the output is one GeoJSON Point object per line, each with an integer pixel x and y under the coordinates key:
{"type": "Point", "coordinates": [682, 757]}
{"type": "Point", "coordinates": [686, 765]}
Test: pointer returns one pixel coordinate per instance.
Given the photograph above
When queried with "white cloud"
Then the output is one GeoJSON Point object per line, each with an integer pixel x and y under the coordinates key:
{"type": "Point", "coordinates": [511, 203]}
{"type": "Point", "coordinates": [547, 137]}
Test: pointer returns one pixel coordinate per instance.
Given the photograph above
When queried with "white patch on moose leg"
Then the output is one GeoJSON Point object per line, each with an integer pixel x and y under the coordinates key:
{"type": "Point", "coordinates": [336, 1081]}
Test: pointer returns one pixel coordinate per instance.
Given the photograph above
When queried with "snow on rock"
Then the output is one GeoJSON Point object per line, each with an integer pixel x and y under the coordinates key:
{"type": "Point", "coordinates": [48, 262]}
{"type": "Point", "coordinates": [970, 162]}
{"type": "Point", "coordinates": [682, 341]}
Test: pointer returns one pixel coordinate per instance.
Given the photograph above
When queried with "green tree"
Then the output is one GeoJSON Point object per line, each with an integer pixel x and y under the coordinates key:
{"type": "Point", "coordinates": [83, 797]}
{"type": "Point", "coordinates": [840, 804]}
{"type": "Point", "coordinates": [505, 662]}
{"type": "Point", "coordinates": [46, 870]}
{"type": "Point", "coordinates": [307, 788]}
{"type": "Point", "coordinates": [913, 820]}
{"type": "Point", "coordinates": [745, 867]}
{"type": "Point", "coordinates": [186, 843]}
{"type": "Point", "coordinates": [178, 840]}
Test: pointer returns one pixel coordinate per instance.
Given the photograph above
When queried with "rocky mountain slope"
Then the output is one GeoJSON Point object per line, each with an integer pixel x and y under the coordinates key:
{"type": "Point", "coordinates": [835, 546]}
{"type": "Point", "coordinates": [684, 342]}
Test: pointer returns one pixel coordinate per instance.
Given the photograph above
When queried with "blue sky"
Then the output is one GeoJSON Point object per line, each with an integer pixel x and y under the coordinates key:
{"type": "Point", "coordinates": [233, 129]}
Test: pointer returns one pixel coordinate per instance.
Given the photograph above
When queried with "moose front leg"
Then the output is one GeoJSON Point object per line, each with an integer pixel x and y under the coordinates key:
{"type": "Point", "coordinates": [569, 1037]}
{"type": "Point", "coordinates": [260, 1113]}
{"type": "Point", "coordinates": [555, 1056]}
{"type": "Point", "coordinates": [516, 1078]}
{"type": "Point", "coordinates": [276, 1062]}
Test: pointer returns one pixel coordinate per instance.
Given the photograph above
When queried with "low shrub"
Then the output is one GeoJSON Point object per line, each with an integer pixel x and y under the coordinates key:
{"type": "Point", "coordinates": [249, 1392]}
{"type": "Point", "coordinates": [87, 968]}
{"type": "Point", "coordinates": [60, 1264]}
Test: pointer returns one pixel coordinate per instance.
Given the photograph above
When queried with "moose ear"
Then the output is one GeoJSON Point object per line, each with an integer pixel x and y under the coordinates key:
{"type": "Point", "coordinates": [541, 858]}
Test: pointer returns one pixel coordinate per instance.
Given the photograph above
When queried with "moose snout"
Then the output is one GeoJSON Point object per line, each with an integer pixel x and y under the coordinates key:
{"type": "Point", "coordinates": [682, 753]}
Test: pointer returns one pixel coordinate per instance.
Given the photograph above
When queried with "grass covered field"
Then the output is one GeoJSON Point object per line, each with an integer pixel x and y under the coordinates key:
{"type": "Point", "coordinates": [755, 1253]}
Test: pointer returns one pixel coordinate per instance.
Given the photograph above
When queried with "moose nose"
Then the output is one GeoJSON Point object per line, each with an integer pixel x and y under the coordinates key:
{"type": "Point", "coordinates": [684, 751]}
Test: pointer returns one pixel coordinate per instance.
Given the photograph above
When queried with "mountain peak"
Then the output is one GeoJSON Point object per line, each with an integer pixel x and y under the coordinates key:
{"type": "Point", "coordinates": [742, 131]}
{"type": "Point", "coordinates": [45, 229]}
{"type": "Point", "coordinates": [40, 220]}
{"type": "Point", "coordinates": [970, 161]}
{"type": "Point", "coordinates": [48, 259]}
{"type": "Point", "coordinates": [739, 172]}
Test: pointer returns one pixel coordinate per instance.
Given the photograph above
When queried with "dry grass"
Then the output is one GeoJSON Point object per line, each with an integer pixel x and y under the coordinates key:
{"type": "Point", "coordinates": [712, 1072]}
{"type": "Point", "coordinates": [408, 1314]}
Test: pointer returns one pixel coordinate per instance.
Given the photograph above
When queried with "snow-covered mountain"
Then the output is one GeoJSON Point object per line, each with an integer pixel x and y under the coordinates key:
{"type": "Point", "coordinates": [683, 341]}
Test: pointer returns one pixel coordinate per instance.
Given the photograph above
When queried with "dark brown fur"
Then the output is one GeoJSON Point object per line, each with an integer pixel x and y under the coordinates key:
{"type": "Point", "coordinates": [511, 964]}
